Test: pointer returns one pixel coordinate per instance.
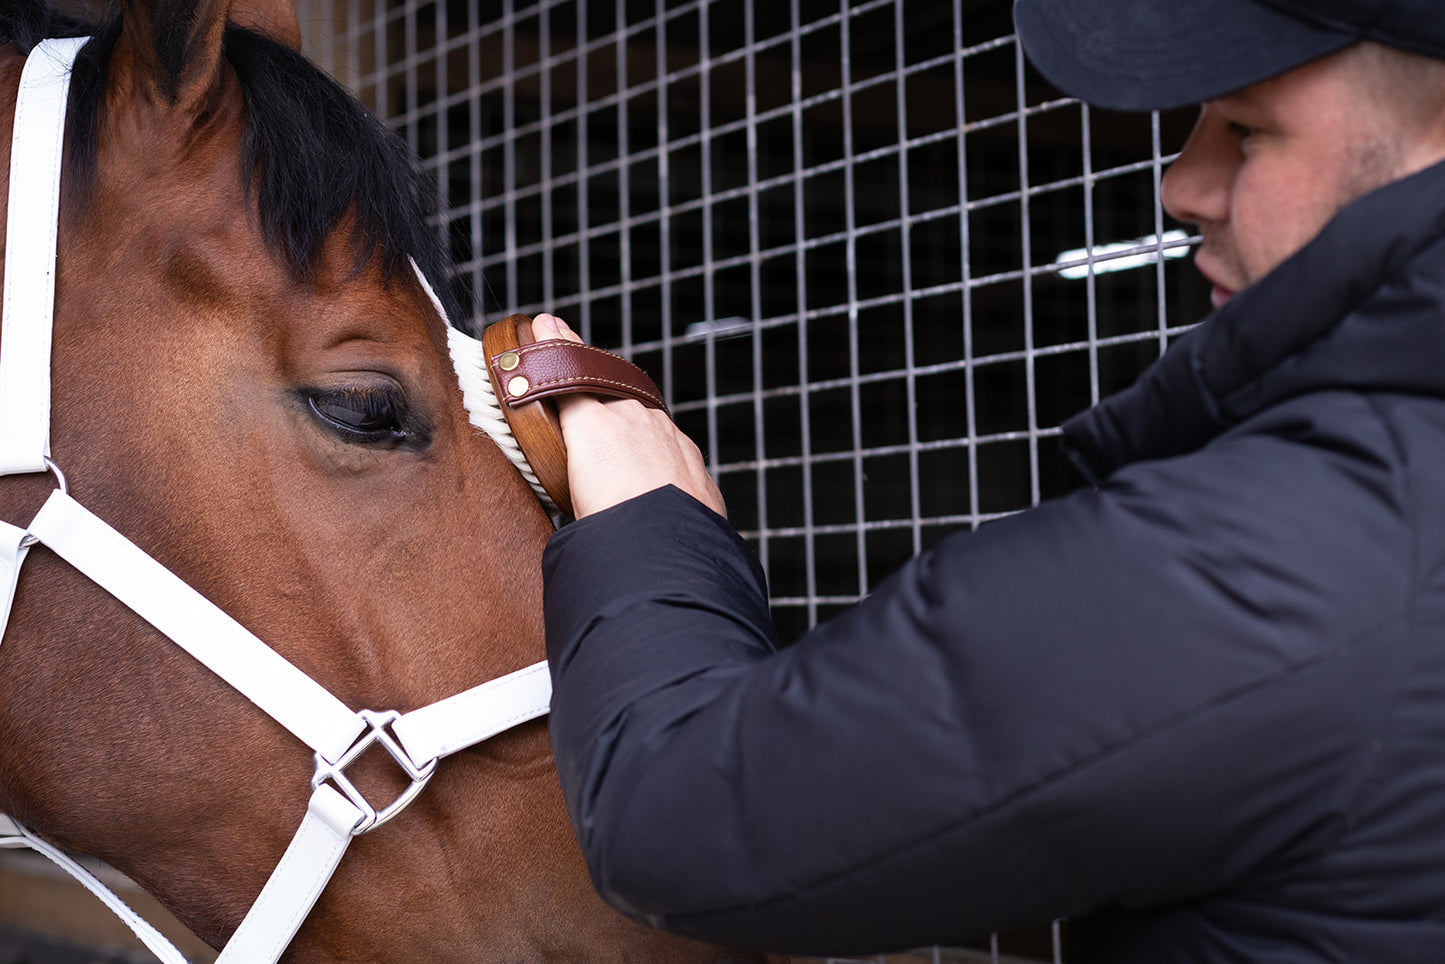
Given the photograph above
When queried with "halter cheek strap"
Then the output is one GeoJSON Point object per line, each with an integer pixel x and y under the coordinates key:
{"type": "Point", "coordinates": [29, 301]}
{"type": "Point", "coordinates": [337, 811]}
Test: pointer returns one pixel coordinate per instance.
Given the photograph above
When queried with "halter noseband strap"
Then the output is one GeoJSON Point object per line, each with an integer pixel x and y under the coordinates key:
{"type": "Point", "coordinates": [336, 811]}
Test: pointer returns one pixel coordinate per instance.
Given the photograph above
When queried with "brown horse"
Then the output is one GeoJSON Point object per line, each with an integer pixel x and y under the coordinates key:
{"type": "Point", "coordinates": [250, 383]}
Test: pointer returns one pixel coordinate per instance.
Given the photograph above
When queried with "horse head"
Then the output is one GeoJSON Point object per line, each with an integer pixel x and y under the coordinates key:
{"type": "Point", "coordinates": [252, 383]}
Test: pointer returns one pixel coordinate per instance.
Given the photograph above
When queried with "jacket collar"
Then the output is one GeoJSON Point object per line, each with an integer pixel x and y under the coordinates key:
{"type": "Point", "coordinates": [1362, 306]}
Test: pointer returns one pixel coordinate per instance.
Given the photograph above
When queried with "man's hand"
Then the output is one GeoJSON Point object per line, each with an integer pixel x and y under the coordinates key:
{"type": "Point", "coordinates": [618, 448]}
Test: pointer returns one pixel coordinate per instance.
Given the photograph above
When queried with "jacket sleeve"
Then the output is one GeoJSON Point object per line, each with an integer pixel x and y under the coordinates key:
{"type": "Point", "coordinates": [1131, 695]}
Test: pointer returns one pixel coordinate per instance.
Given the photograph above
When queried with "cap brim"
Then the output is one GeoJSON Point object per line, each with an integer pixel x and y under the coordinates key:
{"type": "Point", "coordinates": [1147, 55]}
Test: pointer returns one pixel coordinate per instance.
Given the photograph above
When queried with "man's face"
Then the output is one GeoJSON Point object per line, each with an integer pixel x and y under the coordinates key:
{"type": "Point", "coordinates": [1267, 166]}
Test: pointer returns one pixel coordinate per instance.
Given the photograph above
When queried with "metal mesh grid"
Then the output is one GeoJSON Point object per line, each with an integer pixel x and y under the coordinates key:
{"type": "Point", "coordinates": [867, 253]}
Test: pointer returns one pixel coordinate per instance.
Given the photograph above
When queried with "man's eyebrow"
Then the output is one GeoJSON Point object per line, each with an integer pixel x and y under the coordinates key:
{"type": "Point", "coordinates": [1245, 99]}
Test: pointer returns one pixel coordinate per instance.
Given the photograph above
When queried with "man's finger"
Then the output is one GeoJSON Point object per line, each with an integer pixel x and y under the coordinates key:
{"type": "Point", "coordinates": [550, 326]}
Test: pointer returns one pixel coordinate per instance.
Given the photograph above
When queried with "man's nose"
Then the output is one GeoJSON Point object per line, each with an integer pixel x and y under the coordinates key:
{"type": "Point", "coordinates": [1196, 187]}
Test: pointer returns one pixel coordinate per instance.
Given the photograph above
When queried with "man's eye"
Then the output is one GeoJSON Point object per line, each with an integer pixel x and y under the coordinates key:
{"type": "Point", "coordinates": [1241, 131]}
{"type": "Point", "coordinates": [366, 416]}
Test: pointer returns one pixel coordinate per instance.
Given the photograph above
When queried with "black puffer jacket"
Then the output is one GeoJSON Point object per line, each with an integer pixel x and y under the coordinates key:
{"type": "Point", "coordinates": [1198, 709]}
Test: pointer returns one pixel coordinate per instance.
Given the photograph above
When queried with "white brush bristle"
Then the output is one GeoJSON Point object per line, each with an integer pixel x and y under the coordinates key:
{"type": "Point", "coordinates": [485, 412]}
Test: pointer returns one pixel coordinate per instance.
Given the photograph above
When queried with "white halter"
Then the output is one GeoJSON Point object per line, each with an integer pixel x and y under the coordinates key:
{"type": "Point", "coordinates": [337, 811]}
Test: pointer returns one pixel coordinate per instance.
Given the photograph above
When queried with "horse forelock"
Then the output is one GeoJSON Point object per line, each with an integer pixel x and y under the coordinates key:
{"type": "Point", "coordinates": [321, 160]}
{"type": "Point", "coordinates": [315, 160]}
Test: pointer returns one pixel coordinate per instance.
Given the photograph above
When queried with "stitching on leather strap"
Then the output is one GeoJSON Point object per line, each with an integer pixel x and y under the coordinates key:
{"type": "Point", "coordinates": [639, 386]}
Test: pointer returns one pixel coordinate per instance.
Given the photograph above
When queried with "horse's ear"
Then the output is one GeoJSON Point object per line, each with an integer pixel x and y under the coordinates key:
{"type": "Point", "coordinates": [174, 47]}
{"type": "Point", "coordinates": [274, 18]}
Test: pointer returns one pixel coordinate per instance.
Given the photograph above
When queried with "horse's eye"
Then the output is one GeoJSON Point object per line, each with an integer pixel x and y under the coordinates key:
{"type": "Point", "coordinates": [366, 416]}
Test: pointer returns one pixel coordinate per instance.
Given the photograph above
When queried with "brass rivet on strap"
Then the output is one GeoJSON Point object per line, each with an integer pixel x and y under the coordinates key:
{"type": "Point", "coordinates": [508, 361]}
{"type": "Point", "coordinates": [518, 386]}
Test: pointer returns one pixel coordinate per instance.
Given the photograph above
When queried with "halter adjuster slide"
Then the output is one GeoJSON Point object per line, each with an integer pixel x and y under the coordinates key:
{"type": "Point", "coordinates": [378, 733]}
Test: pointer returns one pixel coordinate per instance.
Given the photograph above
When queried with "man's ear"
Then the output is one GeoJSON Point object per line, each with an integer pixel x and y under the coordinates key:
{"type": "Point", "coordinates": [171, 49]}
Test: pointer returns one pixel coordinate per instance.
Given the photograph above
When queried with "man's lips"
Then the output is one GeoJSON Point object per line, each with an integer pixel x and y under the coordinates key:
{"type": "Point", "coordinates": [1219, 294]}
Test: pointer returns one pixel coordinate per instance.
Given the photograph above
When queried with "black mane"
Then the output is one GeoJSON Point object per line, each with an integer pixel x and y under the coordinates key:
{"type": "Point", "coordinates": [312, 152]}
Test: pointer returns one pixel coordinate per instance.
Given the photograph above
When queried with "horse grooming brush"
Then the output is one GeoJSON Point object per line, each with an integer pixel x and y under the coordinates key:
{"type": "Point", "coordinates": [526, 373]}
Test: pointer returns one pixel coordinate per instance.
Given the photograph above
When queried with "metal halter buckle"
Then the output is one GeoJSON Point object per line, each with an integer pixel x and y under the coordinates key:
{"type": "Point", "coordinates": [371, 817]}
{"type": "Point", "coordinates": [27, 541]}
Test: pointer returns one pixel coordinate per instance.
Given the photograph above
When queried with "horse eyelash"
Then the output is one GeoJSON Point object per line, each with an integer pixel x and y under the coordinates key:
{"type": "Point", "coordinates": [383, 406]}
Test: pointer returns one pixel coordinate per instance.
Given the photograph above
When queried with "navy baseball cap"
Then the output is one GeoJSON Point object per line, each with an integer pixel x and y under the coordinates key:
{"type": "Point", "coordinates": [1156, 54]}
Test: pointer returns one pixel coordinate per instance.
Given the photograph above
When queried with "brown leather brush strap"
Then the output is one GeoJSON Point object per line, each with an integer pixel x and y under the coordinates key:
{"type": "Point", "coordinates": [525, 373]}
{"type": "Point", "coordinates": [556, 367]}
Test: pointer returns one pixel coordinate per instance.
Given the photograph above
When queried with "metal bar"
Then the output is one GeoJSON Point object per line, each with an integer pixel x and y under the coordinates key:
{"type": "Point", "coordinates": [910, 384]}
{"type": "Point", "coordinates": [850, 220]}
{"type": "Point", "coordinates": [584, 205]}
{"type": "Point", "coordinates": [383, 98]}
{"type": "Point", "coordinates": [409, 74]}
{"type": "Point", "coordinates": [1026, 258]}
{"type": "Point", "coordinates": [664, 217]}
{"type": "Point", "coordinates": [709, 278]}
{"type": "Point", "coordinates": [474, 172]}
{"type": "Point", "coordinates": [1157, 170]}
{"type": "Point", "coordinates": [509, 145]}
{"type": "Point", "coordinates": [544, 177]}
{"type": "Point", "coordinates": [755, 243]}
{"type": "Point", "coordinates": [624, 194]}
{"type": "Point", "coordinates": [965, 267]}
{"type": "Point", "coordinates": [1091, 287]}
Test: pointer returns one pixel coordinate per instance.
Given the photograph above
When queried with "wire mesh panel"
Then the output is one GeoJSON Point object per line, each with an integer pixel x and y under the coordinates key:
{"type": "Point", "coordinates": [871, 258]}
